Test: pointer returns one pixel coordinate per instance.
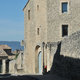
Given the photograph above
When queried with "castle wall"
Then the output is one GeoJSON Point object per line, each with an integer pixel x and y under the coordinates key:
{"type": "Point", "coordinates": [32, 38]}
{"type": "Point", "coordinates": [51, 50]}
{"type": "Point", "coordinates": [45, 25]}
{"type": "Point", "coordinates": [56, 19]}
{"type": "Point", "coordinates": [29, 38]}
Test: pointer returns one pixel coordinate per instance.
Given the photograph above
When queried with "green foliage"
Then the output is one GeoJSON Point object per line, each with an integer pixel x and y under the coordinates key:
{"type": "Point", "coordinates": [16, 56]}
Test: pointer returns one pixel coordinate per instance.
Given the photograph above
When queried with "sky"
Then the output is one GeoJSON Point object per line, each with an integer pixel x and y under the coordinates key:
{"type": "Point", "coordinates": [12, 20]}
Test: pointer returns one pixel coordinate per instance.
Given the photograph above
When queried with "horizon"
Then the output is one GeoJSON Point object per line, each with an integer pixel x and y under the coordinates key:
{"type": "Point", "coordinates": [10, 41]}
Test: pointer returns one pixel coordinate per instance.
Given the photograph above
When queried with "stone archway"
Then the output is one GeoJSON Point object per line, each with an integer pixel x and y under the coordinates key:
{"type": "Point", "coordinates": [38, 59]}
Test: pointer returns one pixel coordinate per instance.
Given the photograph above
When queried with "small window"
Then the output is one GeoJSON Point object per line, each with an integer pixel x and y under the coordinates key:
{"type": "Point", "coordinates": [37, 7]}
{"type": "Point", "coordinates": [64, 30]}
{"type": "Point", "coordinates": [38, 31]}
{"type": "Point", "coordinates": [28, 14]}
{"type": "Point", "coordinates": [64, 7]}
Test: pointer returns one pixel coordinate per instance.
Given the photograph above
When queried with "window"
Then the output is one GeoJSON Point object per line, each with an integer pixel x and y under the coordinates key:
{"type": "Point", "coordinates": [28, 14]}
{"type": "Point", "coordinates": [64, 30]}
{"type": "Point", "coordinates": [37, 7]}
{"type": "Point", "coordinates": [64, 7]}
{"type": "Point", "coordinates": [38, 31]}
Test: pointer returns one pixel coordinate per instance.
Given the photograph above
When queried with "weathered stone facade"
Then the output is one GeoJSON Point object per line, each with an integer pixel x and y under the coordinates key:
{"type": "Point", "coordinates": [43, 20]}
{"type": "Point", "coordinates": [66, 61]}
{"type": "Point", "coordinates": [5, 57]}
{"type": "Point", "coordinates": [16, 65]}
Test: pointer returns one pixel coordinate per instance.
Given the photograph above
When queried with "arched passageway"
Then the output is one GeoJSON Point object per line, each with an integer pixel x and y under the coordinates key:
{"type": "Point", "coordinates": [38, 59]}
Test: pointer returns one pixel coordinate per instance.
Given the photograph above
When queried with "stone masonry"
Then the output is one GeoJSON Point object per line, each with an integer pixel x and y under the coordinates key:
{"type": "Point", "coordinates": [43, 20]}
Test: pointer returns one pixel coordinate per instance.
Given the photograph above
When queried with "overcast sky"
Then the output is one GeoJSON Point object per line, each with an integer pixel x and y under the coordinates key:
{"type": "Point", "coordinates": [12, 20]}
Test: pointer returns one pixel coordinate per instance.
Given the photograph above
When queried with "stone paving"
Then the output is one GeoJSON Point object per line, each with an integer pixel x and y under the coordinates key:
{"type": "Point", "coordinates": [31, 77]}
{"type": "Point", "coordinates": [49, 77]}
{"type": "Point", "coordinates": [9, 77]}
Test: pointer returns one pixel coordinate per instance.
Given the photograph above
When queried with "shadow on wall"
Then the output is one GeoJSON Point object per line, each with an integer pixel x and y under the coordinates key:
{"type": "Point", "coordinates": [67, 67]}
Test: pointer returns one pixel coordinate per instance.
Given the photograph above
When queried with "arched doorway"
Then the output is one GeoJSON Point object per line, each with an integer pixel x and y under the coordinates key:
{"type": "Point", "coordinates": [39, 61]}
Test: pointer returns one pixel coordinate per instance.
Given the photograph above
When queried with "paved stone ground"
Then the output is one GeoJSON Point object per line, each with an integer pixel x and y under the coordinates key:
{"type": "Point", "coordinates": [31, 77]}
{"type": "Point", "coordinates": [49, 77]}
{"type": "Point", "coordinates": [10, 77]}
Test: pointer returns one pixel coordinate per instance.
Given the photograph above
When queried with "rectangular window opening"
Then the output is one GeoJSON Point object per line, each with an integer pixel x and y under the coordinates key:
{"type": "Point", "coordinates": [28, 14]}
{"type": "Point", "coordinates": [64, 7]}
{"type": "Point", "coordinates": [37, 7]}
{"type": "Point", "coordinates": [38, 31]}
{"type": "Point", "coordinates": [64, 30]}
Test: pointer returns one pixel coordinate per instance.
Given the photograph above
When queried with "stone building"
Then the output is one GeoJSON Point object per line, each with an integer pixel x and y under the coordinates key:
{"type": "Point", "coordinates": [46, 23]}
{"type": "Point", "coordinates": [16, 65]}
{"type": "Point", "coordinates": [5, 57]}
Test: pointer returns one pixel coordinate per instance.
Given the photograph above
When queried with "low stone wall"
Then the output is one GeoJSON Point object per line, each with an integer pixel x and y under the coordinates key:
{"type": "Point", "coordinates": [12, 67]}
{"type": "Point", "coordinates": [52, 47]}
{"type": "Point", "coordinates": [70, 46]}
{"type": "Point", "coordinates": [65, 66]}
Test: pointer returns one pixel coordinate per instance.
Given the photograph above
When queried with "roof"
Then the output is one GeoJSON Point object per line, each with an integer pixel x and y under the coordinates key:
{"type": "Point", "coordinates": [5, 47]}
{"type": "Point", "coordinates": [2, 52]}
{"type": "Point", "coordinates": [26, 4]}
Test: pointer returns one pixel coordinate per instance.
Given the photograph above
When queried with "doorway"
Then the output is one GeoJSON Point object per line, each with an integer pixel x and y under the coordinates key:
{"type": "Point", "coordinates": [0, 66]}
{"type": "Point", "coordinates": [39, 61]}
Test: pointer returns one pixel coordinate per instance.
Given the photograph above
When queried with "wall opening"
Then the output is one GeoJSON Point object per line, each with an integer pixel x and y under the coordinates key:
{"type": "Point", "coordinates": [28, 14]}
{"type": "Point", "coordinates": [0, 66]}
{"type": "Point", "coordinates": [38, 62]}
{"type": "Point", "coordinates": [64, 30]}
{"type": "Point", "coordinates": [37, 7]}
{"type": "Point", "coordinates": [64, 7]}
{"type": "Point", "coordinates": [7, 66]}
{"type": "Point", "coordinates": [37, 31]}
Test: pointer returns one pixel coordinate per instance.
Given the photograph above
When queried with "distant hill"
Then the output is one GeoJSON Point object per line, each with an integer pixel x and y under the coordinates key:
{"type": "Point", "coordinates": [13, 44]}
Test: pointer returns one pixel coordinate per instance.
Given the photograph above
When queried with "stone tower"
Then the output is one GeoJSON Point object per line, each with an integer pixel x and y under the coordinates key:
{"type": "Point", "coordinates": [35, 33]}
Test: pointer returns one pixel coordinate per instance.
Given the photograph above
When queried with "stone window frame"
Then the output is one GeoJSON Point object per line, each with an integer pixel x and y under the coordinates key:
{"type": "Point", "coordinates": [64, 1]}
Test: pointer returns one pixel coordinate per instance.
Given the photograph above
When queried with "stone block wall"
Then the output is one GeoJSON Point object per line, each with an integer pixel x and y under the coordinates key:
{"type": "Point", "coordinates": [66, 62]}
{"type": "Point", "coordinates": [12, 67]}
{"type": "Point", "coordinates": [46, 16]}
{"type": "Point", "coordinates": [51, 50]}
{"type": "Point", "coordinates": [56, 19]}
{"type": "Point", "coordinates": [67, 67]}
{"type": "Point", "coordinates": [71, 46]}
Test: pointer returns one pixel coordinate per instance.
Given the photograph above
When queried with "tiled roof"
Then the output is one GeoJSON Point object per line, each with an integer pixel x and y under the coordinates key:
{"type": "Point", "coordinates": [2, 52]}
{"type": "Point", "coordinates": [5, 47]}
